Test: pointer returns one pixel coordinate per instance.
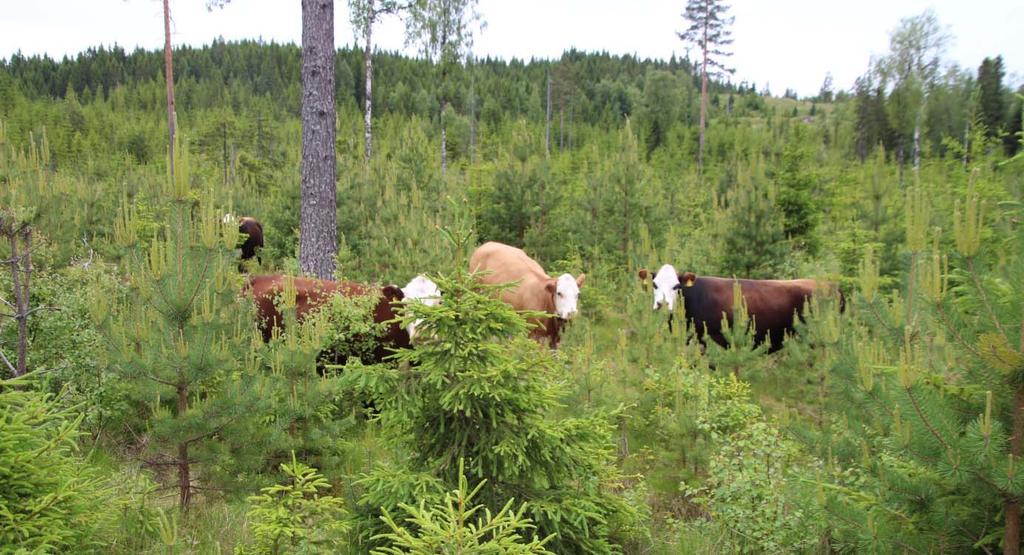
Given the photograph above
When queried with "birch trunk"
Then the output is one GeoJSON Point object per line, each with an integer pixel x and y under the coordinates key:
{"type": "Point", "coordinates": [368, 59]}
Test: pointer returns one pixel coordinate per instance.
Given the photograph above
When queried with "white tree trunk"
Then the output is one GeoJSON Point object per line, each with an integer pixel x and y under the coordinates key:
{"type": "Point", "coordinates": [368, 58]}
{"type": "Point", "coordinates": [547, 121]}
{"type": "Point", "coordinates": [444, 141]}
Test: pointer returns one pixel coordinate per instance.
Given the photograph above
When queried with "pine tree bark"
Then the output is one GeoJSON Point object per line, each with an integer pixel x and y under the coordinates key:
{"type": "Point", "coordinates": [184, 470]}
{"type": "Point", "coordinates": [318, 232]}
{"type": "Point", "coordinates": [368, 62]}
{"type": "Point", "coordinates": [169, 77]}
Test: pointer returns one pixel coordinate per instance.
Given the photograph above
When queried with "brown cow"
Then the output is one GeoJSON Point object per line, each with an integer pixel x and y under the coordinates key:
{"type": "Point", "coordinates": [771, 303]}
{"type": "Point", "coordinates": [536, 290]}
{"type": "Point", "coordinates": [311, 294]}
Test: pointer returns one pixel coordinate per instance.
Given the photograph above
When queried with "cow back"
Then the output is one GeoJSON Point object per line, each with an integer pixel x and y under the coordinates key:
{"type": "Point", "coordinates": [499, 263]}
{"type": "Point", "coordinates": [772, 304]}
{"type": "Point", "coordinates": [311, 294]}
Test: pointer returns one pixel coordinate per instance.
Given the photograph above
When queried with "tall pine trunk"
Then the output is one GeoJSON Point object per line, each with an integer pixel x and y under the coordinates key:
{"type": "Point", "coordinates": [318, 232]}
{"type": "Point", "coordinates": [169, 77]}
{"type": "Point", "coordinates": [368, 60]}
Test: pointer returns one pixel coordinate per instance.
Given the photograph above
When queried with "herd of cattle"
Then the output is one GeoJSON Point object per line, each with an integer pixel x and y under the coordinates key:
{"type": "Point", "coordinates": [773, 305]}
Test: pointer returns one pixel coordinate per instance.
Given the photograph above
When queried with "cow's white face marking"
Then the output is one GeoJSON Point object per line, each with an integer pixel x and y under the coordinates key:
{"type": "Point", "coordinates": [567, 296]}
{"type": "Point", "coordinates": [229, 218]}
{"type": "Point", "coordinates": [666, 282]}
{"type": "Point", "coordinates": [424, 290]}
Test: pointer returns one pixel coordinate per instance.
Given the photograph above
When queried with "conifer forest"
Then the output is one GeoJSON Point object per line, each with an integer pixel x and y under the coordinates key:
{"type": "Point", "coordinates": [149, 405]}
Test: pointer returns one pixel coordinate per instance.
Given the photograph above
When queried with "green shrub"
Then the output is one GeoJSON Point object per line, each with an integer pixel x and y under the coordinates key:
{"type": "Point", "coordinates": [294, 517]}
{"type": "Point", "coordinates": [51, 500]}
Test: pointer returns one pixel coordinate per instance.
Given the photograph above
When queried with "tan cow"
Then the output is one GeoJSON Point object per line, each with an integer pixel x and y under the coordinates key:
{"type": "Point", "coordinates": [559, 297]}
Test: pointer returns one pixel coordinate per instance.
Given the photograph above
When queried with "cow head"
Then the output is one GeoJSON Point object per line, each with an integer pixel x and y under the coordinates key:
{"type": "Point", "coordinates": [565, 291]}
{"type": "Point", "coordinates": [666, 282]}
{"type": "Point", "coordinates": [421, 289]}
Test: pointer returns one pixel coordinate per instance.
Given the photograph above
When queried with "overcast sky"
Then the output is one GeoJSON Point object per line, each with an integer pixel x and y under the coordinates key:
{"type": "Point", "coordinates": [782, 43]}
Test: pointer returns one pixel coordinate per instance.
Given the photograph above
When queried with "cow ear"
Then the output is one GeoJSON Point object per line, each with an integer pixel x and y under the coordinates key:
{"type": "Point", "coordinates": [643, 273]}
{"type": "Point", "coordinates": [687, 279]}
{"type": "Point", "coordinates": [550, 286]}
{"type": "Point", "coordinates": [393, 292]}
{"type": "Point", "coordinates": [580, 280]}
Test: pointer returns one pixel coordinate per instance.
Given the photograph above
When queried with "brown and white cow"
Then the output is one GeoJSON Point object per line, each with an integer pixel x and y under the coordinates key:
{"type": "Point", "coordinates": [771, 303]}
{"type": "Point", "coordinates": [311, 294]}
{"type": "Point", "coordinates": [536, 291]}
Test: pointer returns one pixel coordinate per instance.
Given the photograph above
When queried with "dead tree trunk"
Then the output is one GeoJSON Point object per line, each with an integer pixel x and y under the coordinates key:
{"type": "Point", "coordinates": [20, 263]}
{"type": "Point", "coordinates": [169, 77]}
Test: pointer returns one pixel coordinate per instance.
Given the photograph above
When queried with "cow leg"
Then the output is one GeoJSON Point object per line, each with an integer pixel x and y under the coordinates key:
{"type": "Point", "coordinates": [776, 336]}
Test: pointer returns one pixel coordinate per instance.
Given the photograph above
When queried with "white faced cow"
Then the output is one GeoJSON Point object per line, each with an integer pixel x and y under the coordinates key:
{"type": "Point", "coordinates": [424, 290]}
{"type": "Point", "coordinates": [537, 291]}
{"type": "Point", "coordinates": [771, 303]}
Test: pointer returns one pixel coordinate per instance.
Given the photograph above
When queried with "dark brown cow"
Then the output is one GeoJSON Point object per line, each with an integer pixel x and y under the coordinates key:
{"type": "Point", "coordinates": [253, 231]}
{"type": "Point", "coordinates": [771, 303]}
{"type": "Point", "coordinates": [311, 294]}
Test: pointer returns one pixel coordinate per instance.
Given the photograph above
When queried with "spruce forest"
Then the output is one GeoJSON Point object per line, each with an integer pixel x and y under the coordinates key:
{"type": "Point", "coordinates": [142, 410]}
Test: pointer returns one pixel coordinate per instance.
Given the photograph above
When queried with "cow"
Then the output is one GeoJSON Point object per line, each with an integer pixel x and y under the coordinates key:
{"type": "Point", "coordinates": [535, 290]}
{"type": "Point", "coordinates": [252, 241]}
{"type": "Point", "coordinates": [771, 303]}
{"type": "Point", "coordinates": [253, 231]}
{"type": "Point", "coordinates": [424, 290]}
{"type": "Point", "coordinates": [311, 294]}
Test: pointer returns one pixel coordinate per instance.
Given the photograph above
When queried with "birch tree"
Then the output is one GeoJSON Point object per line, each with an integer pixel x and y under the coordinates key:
{"type": "Point", "coordinates": [912, 67]}
{"type": "Point", "coordinates": [709, 32]}
{"type": "Point", "coordinates": [443, 31]}
{"type": "Point", "coordinates": [363, 14]}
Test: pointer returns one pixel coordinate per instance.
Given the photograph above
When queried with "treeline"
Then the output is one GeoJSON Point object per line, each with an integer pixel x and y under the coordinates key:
{"type": "Point", "coordinates": [593, 85]}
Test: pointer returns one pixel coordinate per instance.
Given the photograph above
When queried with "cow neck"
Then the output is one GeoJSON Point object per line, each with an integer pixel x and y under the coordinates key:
{"type": "Point", "coordinates": [549, 299]}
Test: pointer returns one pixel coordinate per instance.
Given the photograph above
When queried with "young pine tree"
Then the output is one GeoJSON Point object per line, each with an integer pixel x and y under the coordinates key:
{"type": "Point", "coordinates": [928, 399]}
{"type": "Point", "coordinates": [477, 390]}
{"type": "Point", "coordinates": [177, 339]}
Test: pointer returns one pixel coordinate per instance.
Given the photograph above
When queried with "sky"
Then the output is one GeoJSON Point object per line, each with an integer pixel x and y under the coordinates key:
{"type": "Point", "coordinates": [778, 43]}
